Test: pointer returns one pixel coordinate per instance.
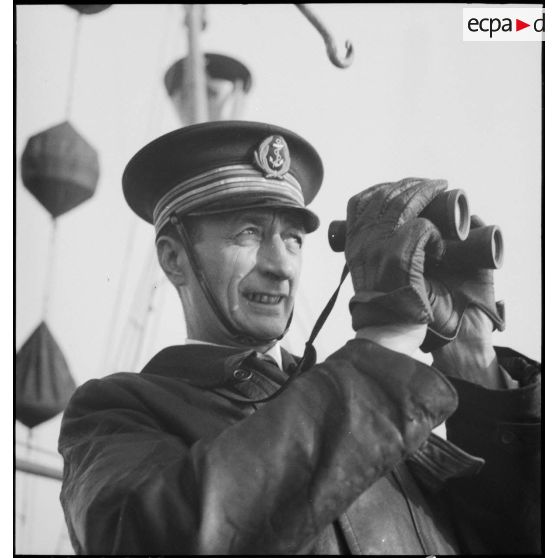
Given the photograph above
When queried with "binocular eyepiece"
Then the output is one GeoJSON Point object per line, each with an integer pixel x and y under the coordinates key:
{"type": "Point", "coordinates": [481, 247]}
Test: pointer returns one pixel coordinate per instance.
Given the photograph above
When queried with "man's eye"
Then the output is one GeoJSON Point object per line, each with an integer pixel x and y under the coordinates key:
{"type": "Point", "coordinates": [296, 239]}
{"type": "Point", "coordinates": [248, 232]}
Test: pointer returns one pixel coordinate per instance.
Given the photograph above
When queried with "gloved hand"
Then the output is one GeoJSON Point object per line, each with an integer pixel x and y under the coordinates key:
{"type": "Point", "coordinates": [386, 248]}
{"type": "Point", "coordinates": [471, 355]}
{"type": "Point", "coordinates": [451, 291]}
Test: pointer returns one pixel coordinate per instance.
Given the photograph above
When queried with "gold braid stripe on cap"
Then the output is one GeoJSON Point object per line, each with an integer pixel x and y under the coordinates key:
{"type": "Point", "coordinates": [220, 183]}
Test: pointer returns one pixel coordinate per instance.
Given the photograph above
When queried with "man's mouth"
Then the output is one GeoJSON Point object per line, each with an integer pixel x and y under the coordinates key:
{"type": "Point", "coordinates": [264, 298]}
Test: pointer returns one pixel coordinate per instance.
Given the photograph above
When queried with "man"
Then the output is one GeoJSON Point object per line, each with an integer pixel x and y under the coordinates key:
{"type": "Point", "coordinates": [230, 445]}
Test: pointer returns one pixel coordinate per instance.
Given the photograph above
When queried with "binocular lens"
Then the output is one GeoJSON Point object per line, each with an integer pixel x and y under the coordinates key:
{"type": "Point", "coordinates": [482, 249]}
{"type": "Point", "coordinates": [462, 218]}
{"type": "Point", "coordinates": [497, 248]}
{"type": "Point", "coordinates": [449, 211]}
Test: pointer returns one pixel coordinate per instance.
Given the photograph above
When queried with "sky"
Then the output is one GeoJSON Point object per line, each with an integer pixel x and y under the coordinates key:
{"type": "Point", "coordinates": [417, 101]}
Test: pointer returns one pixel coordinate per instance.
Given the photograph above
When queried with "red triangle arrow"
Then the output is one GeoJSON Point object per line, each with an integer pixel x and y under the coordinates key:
{"type": "Point", "coordinates": [519, 25]}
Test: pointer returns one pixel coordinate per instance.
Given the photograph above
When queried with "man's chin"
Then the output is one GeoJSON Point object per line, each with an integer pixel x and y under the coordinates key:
{"type": "Point", "coordinates": [261, 323]}
{"type": "Point", "coordinates": [264, 331]}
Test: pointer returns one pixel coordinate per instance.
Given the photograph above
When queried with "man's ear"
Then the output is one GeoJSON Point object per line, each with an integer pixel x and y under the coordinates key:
{"type": "Point", "coordinates": [173, 260]}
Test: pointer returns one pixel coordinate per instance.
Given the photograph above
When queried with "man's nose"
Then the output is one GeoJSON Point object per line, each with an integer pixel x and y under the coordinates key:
{"type": "Point", "coordinates": [275, 259]}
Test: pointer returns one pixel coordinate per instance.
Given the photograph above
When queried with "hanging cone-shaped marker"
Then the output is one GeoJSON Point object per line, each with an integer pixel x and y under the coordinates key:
{"type": "Point", "coordinates": [89, 9]}
{"type": "Point", "coordinates": [60, 168]}
{"type": "Point", "coordinates": [43, 382]}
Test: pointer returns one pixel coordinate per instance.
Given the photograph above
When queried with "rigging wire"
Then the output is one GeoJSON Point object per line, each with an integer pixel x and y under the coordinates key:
{"type": "Point", "coordinates": [27, 481]}
{"type": "Point", "coordinates": [111, 354]}
{"type": "Point", "coordinates": [26, 490]}
{"type": "Point", "coordinates": [161, 281]}
{"type": "Point", "coordinates": [51, 253]}
{"type": "Point", "coordinates": [163, 287]}
{"type": "Point", "coordinates": [111, 331]}
{"type": "Point", "coordinates": [147, 313]}
{"type": "Point", "coordinates": [132, 327]}
{"type": "Point", "coordinates": [73, 66]}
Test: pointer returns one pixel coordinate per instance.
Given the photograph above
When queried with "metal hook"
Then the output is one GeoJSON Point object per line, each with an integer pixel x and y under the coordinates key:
{"type": "Point", "coordinates": [331, 47]}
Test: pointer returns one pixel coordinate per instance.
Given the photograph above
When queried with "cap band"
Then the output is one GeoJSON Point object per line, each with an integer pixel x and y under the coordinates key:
{"type": "Point", "coordinates": [220, 184]}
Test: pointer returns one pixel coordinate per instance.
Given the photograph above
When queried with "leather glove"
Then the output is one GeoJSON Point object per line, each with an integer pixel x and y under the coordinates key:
{"type": "Point", "coordinates": [386, 247]}
{"type": "Point", "coordinates": [451, 291]}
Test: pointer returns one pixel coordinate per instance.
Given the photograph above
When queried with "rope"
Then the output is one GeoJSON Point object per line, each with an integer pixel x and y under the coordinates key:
{"type": "Point", "coordinates": [25, 492]}
{"type": "Point", "coordinates": [162, 285]}
{"type": "Point", "coordinates": [147, 313]}
{"type": "Point", "coordinates": [73, 66]}
{"type": "Point", "coordinates": [51, 251]}
{"type": "Point", "coordinates": [111, 331]}
{"type": "Point", "coordinates": [110, 354]}
{"type": "Point", "coordinates": [132, 329]}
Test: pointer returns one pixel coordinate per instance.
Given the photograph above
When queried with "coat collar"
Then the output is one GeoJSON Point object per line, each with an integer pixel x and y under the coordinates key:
{"type": "Point", "coordinates": [207, 366]}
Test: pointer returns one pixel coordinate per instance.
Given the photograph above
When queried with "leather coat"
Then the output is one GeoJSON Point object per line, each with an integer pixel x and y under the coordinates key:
{"type": "Point", "coordinates": [169, 461]}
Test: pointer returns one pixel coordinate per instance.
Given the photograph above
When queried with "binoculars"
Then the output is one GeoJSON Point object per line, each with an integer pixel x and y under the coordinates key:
{"type": "Point", "coordinates": [482, 247]}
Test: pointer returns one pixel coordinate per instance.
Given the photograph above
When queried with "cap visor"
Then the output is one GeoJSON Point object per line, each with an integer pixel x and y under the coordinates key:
{"type": "Point", "coordinates": [310, 219]}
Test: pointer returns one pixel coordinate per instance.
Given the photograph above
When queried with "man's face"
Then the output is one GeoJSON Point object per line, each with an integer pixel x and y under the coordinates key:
{"type": "Point", "coordinates": [252, 261]}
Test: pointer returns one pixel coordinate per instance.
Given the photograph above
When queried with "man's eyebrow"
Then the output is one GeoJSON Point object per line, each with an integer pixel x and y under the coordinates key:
{"type": "Point", "coordinates": [254, 217]}
{"type": "Point", "coordinates": [263, 217]}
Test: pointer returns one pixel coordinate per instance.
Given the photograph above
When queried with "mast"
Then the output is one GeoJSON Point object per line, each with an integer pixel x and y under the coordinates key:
{"type": "Point", "coordinates": [194, 76]}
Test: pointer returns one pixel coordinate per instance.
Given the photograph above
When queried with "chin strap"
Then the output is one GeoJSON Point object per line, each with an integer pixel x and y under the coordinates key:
{"type": "Point", "coordinates": [309, 357]}
{"type": "Point", "coordinates": [200, 276]}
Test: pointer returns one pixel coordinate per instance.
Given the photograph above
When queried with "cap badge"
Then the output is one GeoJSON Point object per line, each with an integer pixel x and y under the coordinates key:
{"type": "Point", "coordinates": [273, 157]}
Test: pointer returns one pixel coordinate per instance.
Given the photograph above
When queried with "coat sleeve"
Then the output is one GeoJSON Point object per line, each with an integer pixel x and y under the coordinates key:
{"type": "Point", "coordinates": [268, 484]}
{"type": "Point", "coordinates": [499, 508]}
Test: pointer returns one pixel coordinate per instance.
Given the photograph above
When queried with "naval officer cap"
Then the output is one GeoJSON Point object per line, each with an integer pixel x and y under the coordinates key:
{"type": "Point", "coordinates": [218, 167]}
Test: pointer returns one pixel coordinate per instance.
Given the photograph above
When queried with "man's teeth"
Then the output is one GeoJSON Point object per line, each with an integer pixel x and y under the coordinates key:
{"type": "Point", "coordinates": [263, 298]}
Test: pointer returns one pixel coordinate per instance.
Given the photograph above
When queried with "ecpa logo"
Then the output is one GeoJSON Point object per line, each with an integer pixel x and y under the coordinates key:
{"type": "Point", "coordinates": [503, 24]}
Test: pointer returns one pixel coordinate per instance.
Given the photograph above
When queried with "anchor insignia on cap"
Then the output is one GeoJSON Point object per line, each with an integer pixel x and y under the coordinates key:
{"type": "Point", "coordinates": [273, 157]}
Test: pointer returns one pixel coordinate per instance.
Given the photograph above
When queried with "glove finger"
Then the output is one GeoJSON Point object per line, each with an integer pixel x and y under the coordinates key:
{"type": "Point", "coordinates": [370, 200]}
{"type": "Point", "coordinates": [397, 196]}
{"type": "Point", "coordinates": [393, 202]}
{"type": "Point", "coordinates": [428, 243]}
{"type": "Point", "coordinates": [374, 199]}
{"type": "Point", "coordinates": [416, 198]}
